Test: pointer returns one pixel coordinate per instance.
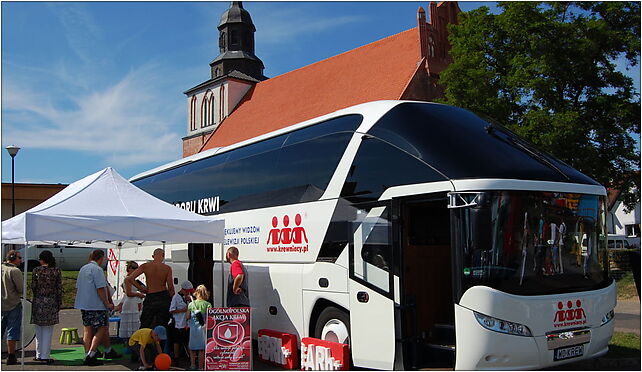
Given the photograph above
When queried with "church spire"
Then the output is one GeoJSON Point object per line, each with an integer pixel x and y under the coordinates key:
{"type": "Point", "coordinates": [236, 44]}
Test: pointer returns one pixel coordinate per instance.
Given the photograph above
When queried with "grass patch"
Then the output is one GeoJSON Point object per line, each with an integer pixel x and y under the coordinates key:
{"type": "Point", "coordinates": [624, 345]}
{"type": "Point", "coordinates": [626, 287]}
{"type": "Point", "coordinates": [68, 288]}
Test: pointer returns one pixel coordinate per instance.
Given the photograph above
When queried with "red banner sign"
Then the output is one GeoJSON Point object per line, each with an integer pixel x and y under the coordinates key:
{"type": "Point", "coordinates": [320, 355]}
{"type": "Point", "coordinates": [278, 348]}
{"type": "Point", "coordinates": [229, 339]}
{"type": "Point", "coordinates": [113, 261]}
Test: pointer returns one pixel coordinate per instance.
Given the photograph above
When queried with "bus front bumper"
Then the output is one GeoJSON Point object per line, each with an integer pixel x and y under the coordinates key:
{"type": "Point", "coordinates": [481, 349]}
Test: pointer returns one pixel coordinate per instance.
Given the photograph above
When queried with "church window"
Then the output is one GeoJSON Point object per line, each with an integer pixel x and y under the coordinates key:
{"type": "Point", "coordinates": [221, 42]}
{"type": "Point", "coordinates": [192, 114]}
{"type": "Point", "coordinates": [234, 37]}
{"type": "Point", "coordinates": [431, 46]}
{"type": "Point", "coordinates": [222, 113]}
{"type": "Point", "coordinates": [206, 109]}
{"type": "Point", "coordinates": [212, 110]}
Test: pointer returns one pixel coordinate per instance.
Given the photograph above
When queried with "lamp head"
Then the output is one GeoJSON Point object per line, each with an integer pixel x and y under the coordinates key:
{"type": "Point", "coordinates": [13, 150]}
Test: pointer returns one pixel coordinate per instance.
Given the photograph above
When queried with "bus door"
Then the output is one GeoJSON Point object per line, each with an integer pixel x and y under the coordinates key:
{"type": "Point", "coordinates": [426, 315]}
{"type": "Point", "coordinates": [372, 322]}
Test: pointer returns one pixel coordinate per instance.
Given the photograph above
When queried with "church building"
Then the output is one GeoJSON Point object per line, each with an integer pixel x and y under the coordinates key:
{"type": "Point", "coordinates": [238, 102]}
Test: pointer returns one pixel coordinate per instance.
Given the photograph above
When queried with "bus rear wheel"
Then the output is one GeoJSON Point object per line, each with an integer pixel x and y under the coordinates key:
{"type": "Point", "coordinates": [333, 325]}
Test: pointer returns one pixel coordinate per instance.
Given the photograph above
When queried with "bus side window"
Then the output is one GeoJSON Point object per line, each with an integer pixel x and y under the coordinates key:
{"type": "Point", "coordinates": [378, 166]}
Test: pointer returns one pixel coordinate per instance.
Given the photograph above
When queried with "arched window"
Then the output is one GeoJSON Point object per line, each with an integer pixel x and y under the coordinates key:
{"type": "Point", "coordinates": [208, 109]}
{"type": "Point", "coordinates": [431, 46]}
{"type": "Point", "coordinates": [192, 113]}
{"type": "Point", "coordinates": [221, 42]}
{"type": "Point", "coordinates": [234, 37]}
{"type": "Point", "coordinates": [212, 110]}
{"type": "Point", "coordinates": [222, 113]}
{"type": "Point", "coordinates": [206, 114]}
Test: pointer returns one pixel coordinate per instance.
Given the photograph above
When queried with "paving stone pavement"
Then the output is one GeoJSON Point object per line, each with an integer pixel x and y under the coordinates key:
{"type": "Point", "coordinates": [627, 319]}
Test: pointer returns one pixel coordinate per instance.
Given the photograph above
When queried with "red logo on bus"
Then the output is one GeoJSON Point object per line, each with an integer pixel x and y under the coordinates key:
{"type": "Point", "coordinates": [569, 314]}
{"type": "Point", "coordinates": [285, 238]}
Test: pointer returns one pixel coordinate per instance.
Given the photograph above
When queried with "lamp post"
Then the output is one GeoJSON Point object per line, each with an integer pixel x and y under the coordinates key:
{"type": "Point", "coordinates": [13, 151]}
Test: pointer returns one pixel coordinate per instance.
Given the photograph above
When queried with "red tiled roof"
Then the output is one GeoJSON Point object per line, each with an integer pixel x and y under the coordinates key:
{"type": "Point", "coordinates": [376, 71]}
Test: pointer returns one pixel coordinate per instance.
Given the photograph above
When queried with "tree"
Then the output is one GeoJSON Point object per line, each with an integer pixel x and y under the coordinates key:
{"type": "Point", "coordinates": [547, 71]}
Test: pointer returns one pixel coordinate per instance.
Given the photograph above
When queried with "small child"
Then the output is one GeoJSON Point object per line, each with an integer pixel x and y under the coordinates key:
{"type": "Point", "coordinates": [196, 316]}
{"type": "Point", "coordinates": [145, 342]}
{"type": "Point", "coordinates": [179, 332]}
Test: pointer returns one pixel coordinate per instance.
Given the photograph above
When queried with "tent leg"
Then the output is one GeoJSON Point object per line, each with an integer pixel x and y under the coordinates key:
{"type": "Point", "coordinates": [120, 245]}
{"type": "Point", "coordinates": [222, 276]}
{"type": "Point", "coordinates": [25, 262]}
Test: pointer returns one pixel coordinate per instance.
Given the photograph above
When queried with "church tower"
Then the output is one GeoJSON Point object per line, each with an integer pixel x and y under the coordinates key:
{"type": "Point", "coordinates": [233, 73]}
{"type": "Point", "coordinates": [236, 44]}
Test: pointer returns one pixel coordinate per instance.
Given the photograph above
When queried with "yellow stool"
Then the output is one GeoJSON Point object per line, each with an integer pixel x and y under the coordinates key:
{"type": "Point", "coordinates": [69, 336]}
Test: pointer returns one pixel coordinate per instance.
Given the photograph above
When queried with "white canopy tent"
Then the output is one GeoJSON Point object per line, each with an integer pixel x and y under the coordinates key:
{"type": "Point", "coordinates": [106, 207]}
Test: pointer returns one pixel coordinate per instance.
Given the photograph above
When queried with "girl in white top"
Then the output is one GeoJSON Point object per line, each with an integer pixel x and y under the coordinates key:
{"type": "Point", "coordinates": [130, 306]}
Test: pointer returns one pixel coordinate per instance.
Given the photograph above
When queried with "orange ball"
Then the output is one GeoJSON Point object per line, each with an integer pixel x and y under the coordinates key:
{"type": "Point", "coordinates": [163, 362]}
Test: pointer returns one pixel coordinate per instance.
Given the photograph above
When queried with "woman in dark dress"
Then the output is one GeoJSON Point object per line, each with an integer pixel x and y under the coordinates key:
{"type": "Point", "coordinates": [46, 284]}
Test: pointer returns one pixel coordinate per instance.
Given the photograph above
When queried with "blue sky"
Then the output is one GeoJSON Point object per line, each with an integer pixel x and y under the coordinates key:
{"type": "Point", "coordinates": [87, 85]}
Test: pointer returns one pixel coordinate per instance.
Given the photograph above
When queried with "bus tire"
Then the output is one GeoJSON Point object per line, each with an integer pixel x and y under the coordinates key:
{"type": "Point", "coordinates": [333, 325]}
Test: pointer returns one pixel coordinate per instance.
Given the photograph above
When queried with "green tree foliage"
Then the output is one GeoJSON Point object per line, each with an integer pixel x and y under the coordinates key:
{"type": "Point", "coordinates": [547, 71]}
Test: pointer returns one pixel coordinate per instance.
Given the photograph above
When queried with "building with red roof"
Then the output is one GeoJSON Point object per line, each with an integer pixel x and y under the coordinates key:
{"type": "Point", "coordinates": [239, 103]}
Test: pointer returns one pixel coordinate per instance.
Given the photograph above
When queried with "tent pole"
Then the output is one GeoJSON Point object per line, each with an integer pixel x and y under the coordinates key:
{"type": "Point", "coordinates": [120, 245]}
{"type": "Point", "coordinates": [25, 262]}
{"type": "Point", "coordinates": [222, 277]}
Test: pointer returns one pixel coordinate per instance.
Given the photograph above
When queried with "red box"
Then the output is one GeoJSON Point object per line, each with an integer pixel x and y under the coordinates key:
{"type": "Point", "coordinates": [318, 354]}
{"type": "Point", "coordinates": [278, 348]}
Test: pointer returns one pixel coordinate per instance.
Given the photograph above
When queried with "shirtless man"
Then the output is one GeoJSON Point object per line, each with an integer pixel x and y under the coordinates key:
{"type": "Point", "coordinates": [159, 290]}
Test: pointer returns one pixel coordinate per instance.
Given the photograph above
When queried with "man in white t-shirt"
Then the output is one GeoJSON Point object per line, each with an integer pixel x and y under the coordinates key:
{"type": "Point", "coordinates": [180, 330]}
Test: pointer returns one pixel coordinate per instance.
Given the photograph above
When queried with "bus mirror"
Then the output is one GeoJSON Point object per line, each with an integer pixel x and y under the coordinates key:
{"type": "Point", "coordinates": [464, 199]}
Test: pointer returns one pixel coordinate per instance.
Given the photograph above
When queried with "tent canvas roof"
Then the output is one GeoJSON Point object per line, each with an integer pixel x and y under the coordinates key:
{"type": "Point", "coordinates": [105, 206]}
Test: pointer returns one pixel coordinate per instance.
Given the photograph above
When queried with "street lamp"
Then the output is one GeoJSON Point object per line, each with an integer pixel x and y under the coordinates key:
{"type": "Point", "coordinates": [13, 151]}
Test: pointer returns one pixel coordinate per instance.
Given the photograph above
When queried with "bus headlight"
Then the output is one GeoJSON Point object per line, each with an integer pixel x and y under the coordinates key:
{"type": "Point", "coordinates": [607, 317]}
{"type": "Point", "coordinates": [502, 326]}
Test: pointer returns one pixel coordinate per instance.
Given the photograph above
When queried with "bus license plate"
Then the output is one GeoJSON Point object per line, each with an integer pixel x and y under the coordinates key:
{"type": "Point", "coordinates": [568, 352]}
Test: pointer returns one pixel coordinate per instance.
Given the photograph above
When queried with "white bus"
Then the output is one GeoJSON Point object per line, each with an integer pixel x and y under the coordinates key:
{"type": "Point", "coordinates": [418, 233]}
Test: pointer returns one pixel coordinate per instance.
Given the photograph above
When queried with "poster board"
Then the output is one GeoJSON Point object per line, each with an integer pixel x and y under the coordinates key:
{"type": "Point", "coordinates": [229, 339]}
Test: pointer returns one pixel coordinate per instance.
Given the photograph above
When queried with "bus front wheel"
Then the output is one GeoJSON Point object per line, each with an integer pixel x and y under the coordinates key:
{"type": "Point", "coordinates": [333, 325]}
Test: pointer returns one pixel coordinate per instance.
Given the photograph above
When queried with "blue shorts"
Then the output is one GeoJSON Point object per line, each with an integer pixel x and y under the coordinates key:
{"type": "Point", "coordinates": [11, 322]}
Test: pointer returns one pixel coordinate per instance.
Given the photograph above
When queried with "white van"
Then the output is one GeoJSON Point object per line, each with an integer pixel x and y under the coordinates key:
{"type": "Point", "coordinates": [68, 257]}
{"type": "Point", "coordinates": [618, 242]}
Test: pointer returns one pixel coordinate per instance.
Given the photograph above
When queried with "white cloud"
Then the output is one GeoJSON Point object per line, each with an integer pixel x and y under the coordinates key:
{"type": "Point", "coordinates": [81, 29]}
{"type": "Point", "coordinates": [279, 25]}
{"type": "Point", "coordinates": [130, 122]}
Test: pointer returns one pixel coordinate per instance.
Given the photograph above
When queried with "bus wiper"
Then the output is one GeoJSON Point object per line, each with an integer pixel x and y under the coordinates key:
{"type": "Point", "coordinates": [513, 139]}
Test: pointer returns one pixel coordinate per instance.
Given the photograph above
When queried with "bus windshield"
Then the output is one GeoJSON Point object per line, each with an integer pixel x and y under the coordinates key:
{"type": "Point", "coordinates": [531, 243]}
